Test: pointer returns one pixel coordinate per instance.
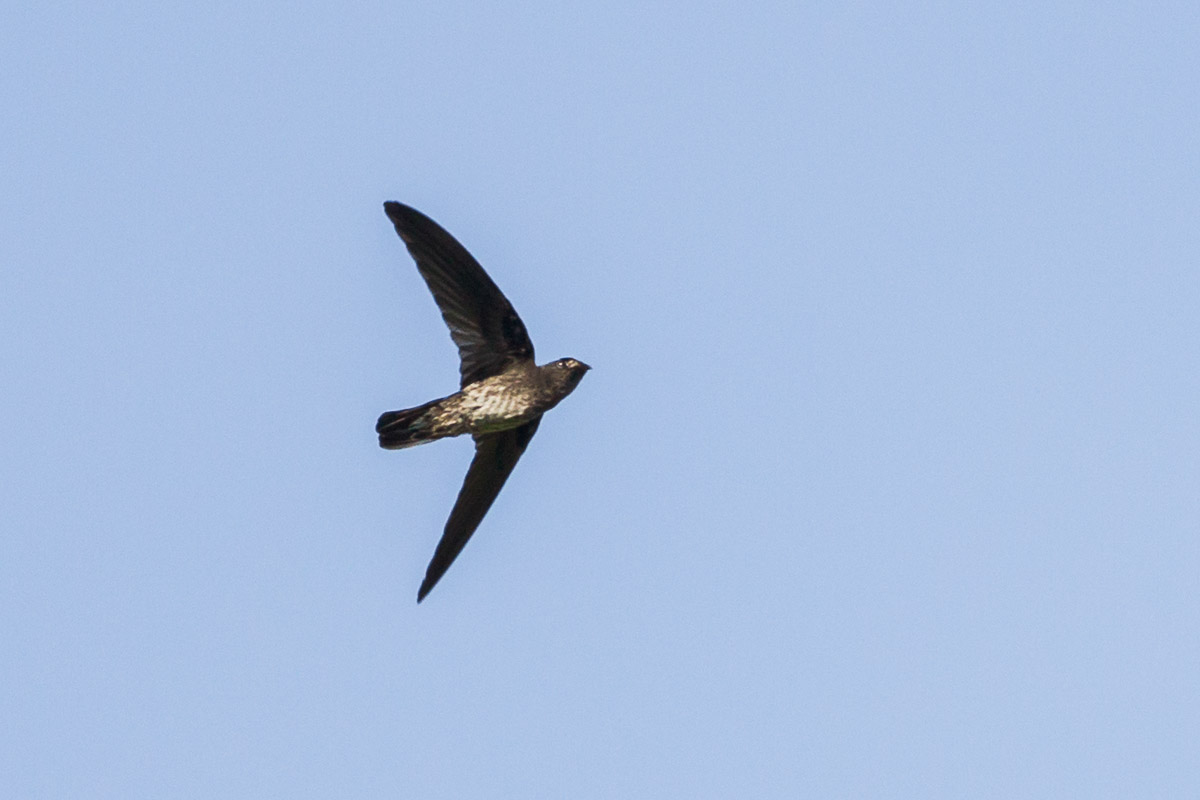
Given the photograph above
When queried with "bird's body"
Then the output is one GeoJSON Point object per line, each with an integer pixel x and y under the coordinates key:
{"type": "Point", "coordinates": [503, 393]}
{"type": "Point", "coordinates": [520, 394]}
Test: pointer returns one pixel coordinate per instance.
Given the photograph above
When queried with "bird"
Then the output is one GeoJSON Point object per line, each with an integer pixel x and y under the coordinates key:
{"type": "Point", "coordinates": [502, 394]}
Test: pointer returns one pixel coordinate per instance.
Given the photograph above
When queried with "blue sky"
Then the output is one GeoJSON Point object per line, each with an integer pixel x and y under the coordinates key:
{"type": "Point", "coordinates": [884, 482]}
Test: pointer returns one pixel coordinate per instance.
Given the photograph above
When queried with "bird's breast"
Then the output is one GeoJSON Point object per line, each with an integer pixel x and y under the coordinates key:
{"type": "Point", "coordinates": [498, 405]}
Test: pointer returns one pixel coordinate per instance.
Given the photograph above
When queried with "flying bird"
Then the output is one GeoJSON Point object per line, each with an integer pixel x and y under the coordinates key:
{"type": "Point", "coordinates": [502, 395]}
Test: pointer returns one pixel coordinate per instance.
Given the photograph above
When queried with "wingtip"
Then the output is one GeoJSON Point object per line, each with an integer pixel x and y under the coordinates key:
{"type": "Point", "coordinates": [396, 211]}
{"type": "Point", "coordinates": [428, 583]}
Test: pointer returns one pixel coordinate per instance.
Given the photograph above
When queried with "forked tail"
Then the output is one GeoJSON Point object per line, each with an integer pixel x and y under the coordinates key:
{"type": "Point", "coordinates": [406, 428]}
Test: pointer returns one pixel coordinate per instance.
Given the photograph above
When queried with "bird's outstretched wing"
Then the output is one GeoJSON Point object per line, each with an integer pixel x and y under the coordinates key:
{"type": "Point", "coordinates": [495, 456]}
{"type": "Point", "coordinates": [489, 334]}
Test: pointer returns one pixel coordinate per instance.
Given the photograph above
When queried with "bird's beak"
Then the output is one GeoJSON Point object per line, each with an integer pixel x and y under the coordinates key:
{"type": "Point", "coordinates": [585, 366]}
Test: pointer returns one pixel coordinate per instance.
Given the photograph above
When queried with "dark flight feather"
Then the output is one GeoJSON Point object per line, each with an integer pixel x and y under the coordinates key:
{"type": "Point", "coordinates": [495, 456]}
{"type": "Point", "coordinates": [483, 324]}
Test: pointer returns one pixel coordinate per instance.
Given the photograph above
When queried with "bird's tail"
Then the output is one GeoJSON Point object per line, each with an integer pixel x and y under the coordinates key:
{"type": "Point", "coordinates": [409, 427]}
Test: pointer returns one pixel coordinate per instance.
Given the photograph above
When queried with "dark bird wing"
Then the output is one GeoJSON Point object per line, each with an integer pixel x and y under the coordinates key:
{"type": "Point", "coordinates": [495, 456]}
{"type": "Point", "coordinates": [489, 334]}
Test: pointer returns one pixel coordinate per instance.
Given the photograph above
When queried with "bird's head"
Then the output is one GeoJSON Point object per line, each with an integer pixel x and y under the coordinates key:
{"type": "Point", "coordinates": [566, 373]}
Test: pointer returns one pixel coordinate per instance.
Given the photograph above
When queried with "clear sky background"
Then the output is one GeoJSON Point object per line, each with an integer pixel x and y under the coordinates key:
{"type": "Point", "coordinates": [885, 483]}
